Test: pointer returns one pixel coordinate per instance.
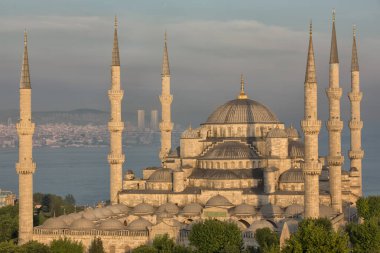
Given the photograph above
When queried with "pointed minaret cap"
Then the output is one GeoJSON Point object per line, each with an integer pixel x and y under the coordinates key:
{"type": "Point", "coordinates": [310, 65]}
{"type": "Point", "coordinates": [354, 60]}
{"type": "Point", "coordinates": [334, 48]}
{"type": "Point", "coordinates": [25, 76]}
{"type": "Point", "coordinates": [242, 94]}
{"type": "Point", "coordinates": [115, 50]}
{"type": "Point", "coordinates": [165, 60]}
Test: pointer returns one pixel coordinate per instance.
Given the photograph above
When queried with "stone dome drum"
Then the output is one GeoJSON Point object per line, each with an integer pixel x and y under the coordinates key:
{"type": "Point", "coordinates": [242, 111]}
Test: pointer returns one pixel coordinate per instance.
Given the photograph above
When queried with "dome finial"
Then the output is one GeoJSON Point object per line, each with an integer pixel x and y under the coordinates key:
{"type": "Point", "coordinates": [242, 94]}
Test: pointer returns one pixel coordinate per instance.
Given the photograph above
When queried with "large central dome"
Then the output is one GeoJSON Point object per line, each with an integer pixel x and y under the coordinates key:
{"type": "Point", "coordinates": [242, 111]}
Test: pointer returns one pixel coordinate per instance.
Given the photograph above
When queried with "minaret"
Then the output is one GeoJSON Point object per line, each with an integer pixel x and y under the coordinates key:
{"type": "Point", "coordinates": [356, 153]}
{"type": "Point", "coordinates": [166, 125]}
{"type": "Point", "coordinates": [115, 125]}
{"type": "Point", "coordinates": [25, 166]}
{"type": "Point", "coordinates": [311, 127]}
{"type": "Point", "coordinates": [334, 126]}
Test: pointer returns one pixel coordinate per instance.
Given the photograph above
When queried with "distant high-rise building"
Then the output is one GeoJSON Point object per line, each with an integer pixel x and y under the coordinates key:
{"type": "Point", "coordinates": [154, 120]}
{"type": "Point", "coordinates": [140, 119]}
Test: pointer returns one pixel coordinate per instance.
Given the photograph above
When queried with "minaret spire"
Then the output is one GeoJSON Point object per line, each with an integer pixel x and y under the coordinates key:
{"type": "Point", "coordinates": [116, 157]}
{"type": "Point", "coordinates": [334, 126]}
{"type": "Point", "coordinates": [311, 126]}
{"type": "Point", "coordinates": [356, 152]}
{"type": "Point", "coordinates": [242, 94]}
{"type": "Point", "coordinates": [166, 99]}
{"type": "Point", "coordinates": [25, 75]}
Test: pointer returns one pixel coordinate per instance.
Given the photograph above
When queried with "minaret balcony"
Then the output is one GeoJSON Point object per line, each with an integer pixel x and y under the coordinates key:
{"type": "Point", "coordinates": [166, 99]}
{"type": "Point", "coordinates": [355, 96]}
{"type": "Point", "coordinates": [335, 160]}
{"type": "Point", "coordinates": [115, 126]}
{"type": "Point", "coordinates": [116, 159]}
{"type": "Point", "coordinates": [166, 126]}
{"type": "Point", "coordinates": [310, 126]}
{"type": "Point", "coordinates": [334, 93]}
{"type": "Point", "coordinates": [356, 154]}
{"type": "Point", "coordinates": [115, 94]}
{"type": "Point", "coordinates": [334, 125]}
{"type": "Point", "coordinates": [26, 168]}
{"type": "Point", "coordinates": [311, 168]}
{"type": "Point", "coordinates": [25, 128]}
{"type": "Point", "coordinates": [355, 124]}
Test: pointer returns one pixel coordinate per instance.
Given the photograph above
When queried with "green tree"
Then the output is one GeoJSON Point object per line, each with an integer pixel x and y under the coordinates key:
{"type": "Point", "coordinates": [9, 247]}
{"type": "Point", "coordinates": [317, 235]}
{"type": "Point", "coordinates": [268, 241]}
{"type": "Point", "coordinates": [145, 249]}
{"type": "Point", "coordinates": [364, 237]}
{"type": "Point", "coordinates": [163, 243]}
{"type": "Point", "coordinates": [213, 236]}
{"type": "Point", "coordinates": [368, 207]}
{"type": "Point", "coordinates": [34, 247]}
{"type": "Point", "coordinates": [70, 200]}
{"type": "Point", "coordinates": [66, 245]}
{"type": "Point", "coordinates": [96, 246]}
{"type": "Point", "coordinates": [8, 223]}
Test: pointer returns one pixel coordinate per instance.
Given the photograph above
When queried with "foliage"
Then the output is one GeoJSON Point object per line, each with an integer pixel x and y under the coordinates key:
{"type": "Point", "coordinates": [70, 200]}
{"type": "Point", "coordinates": [163, 243]}
{"type": "Point", "coordinates": [267, 240]}
{"type": "Point", "coordinates": [96, 246]}
{"type": "Point", "coordinates": [364, 237]}
{"type": "Point", "coordinates": [34, 247]}
{"type": "Point", "coordinates": [8, 223]}
{"type": "Point", "coordinates": [145, 249]}
{"type": "Point", "coordinates": [316, 235]}
{"type": "Point", "coordinates": [9, 247]}
{"type": "Point", "coordinates": [213, 236]}
{"type": "Point", "coordinates": [66, 246]}
{"type": "Point", "coordinates": [368, 207]}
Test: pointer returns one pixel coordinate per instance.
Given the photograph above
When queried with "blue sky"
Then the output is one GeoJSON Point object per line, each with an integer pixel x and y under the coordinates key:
{"type": "Point", "coordinates": [210, 44]}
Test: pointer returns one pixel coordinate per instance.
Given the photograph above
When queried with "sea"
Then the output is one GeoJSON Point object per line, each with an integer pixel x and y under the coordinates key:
{"type": "Point", "coordinates": [84, 171]}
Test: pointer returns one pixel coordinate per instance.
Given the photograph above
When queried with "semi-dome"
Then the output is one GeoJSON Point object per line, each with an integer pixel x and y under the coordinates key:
{"type": "Point", "coordinates": [292, 176]}
{"type": "Point", "coordinates": [111, 224]}
{"type": "Point", "coordinates": [293, 210]}
{"type": "Point", "coordinates": [230, 150]}
{"type": "Point", "coordinates": [242, 111]}
{"type": "Point", "coordinates": [143, 209]}
{"type": "Point", "coordinates": [326, 211]}
{"type": "Point", "coordinates": [258, 224]}
{"type": "Point", "coordinates": [139, 225]}
{"type": "Point", "coordinates": [90, 215]}
{"type": "Point", "coordinates": [82, 224]}
{"type": "Point", "coordinates": [244, 209]}
{"type": "Point", "coordinates": [218, 201]}
{"type": "Point", "coordinates": [54, 223]}
{"type": "Point", "coordinates": [168, 208]}
{"type": "Point", "coordinates": [161, 175]}
{"type": "Point", "coordinates": [296, 149]}
{"type": "Point", "coordinates": [292, 132]}
{"type": "Point", "coordinates": [271, 211]}
{"type": "Point", "coordinates": [192, 209]}
{"type": "Point", "coordinates": [277, 133]}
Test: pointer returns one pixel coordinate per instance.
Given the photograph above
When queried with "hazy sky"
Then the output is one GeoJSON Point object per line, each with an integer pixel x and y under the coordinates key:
{"type": "Point", "coordinates": [210, 43]}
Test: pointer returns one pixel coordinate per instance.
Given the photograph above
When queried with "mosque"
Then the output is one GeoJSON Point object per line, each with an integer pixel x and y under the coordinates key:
{"type": "Point", "coordinates": [243, 165]}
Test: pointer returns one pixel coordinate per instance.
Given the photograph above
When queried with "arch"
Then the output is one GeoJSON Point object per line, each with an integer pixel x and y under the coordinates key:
{"type": "Point", "coordinates": [273, 223]}
{"type": "Point", "coordinates": [245, 223]}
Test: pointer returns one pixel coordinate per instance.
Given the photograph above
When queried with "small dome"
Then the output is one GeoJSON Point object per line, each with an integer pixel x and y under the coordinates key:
{"type": "Point", "coordinates": [293, 210]}
{"type": "Point", "coordinates": [90, 215]}
{"type": "Point", "coordinates": [271, 211]}
{"type": "Point", "coordinates": [82, 224]}
{"type": "Point", "coordinates": [230, 150]}
{"type": "Point", "coordinates": [192, 209]}
{"type": "Point", "coordinates": [164, 215]}
{"type": "Point", "coordinates": [242, 111]}
{"type": "Point", "coordinates": [277, 133]}
{"type": "Point", "coordinates": [292, 176]}
{"type": "Point", "coordinates": [75, 216]}
{"type": "Point", "coordinates": [258, 224]}
{"type": "Point", "coordinates": [190, 134]}
{"type": "Point", "coordinates": [106, 212]}
{"type": "Point", "coordinates": [114, 209]}
{"type": "Point", "coordinates": [292, 132]}
{"type": "Point", "coordinates": [99, 214]}
{"type": "Point", "coordinates": [54, 223]}
{"type": "Point", "coordinates": [123, 208]}
{"type": "Point", "coordinates": [111, 224]}
{"type": "Point", "coordinates": [67, 219]}
{"type": "Point", "coordinates": [139, 225]}
{"type": "Point", "coordinates": [161, 175]}
{"type": "Point", "coordinates": [218, 201]}
{"type": "Point", "coordinates": [291, 223]}
{"type": "Point", "coordinates": [244, 210]}
{"type": "Point", "coordinates": [326, 211]}
{"type": "Point", "coordinates": [169, 208]}
{"type": "Point", "coordinates": [296, 149]}
{"type": "Point", "coordinates": [143, 209]}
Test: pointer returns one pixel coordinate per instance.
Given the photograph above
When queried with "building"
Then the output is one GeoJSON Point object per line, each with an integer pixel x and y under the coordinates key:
{"type": "Point", "coordinates": [243, 165]}
{"type": "Point", "coordinates": [141, 119]}
{"type": "Point", "coordinates": [7, 198]}
{"type": "Point", "coordinates": [154, 120]}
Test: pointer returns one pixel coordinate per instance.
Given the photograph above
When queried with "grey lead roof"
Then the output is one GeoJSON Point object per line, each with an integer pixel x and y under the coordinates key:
{"type": "Point", "coordinates": [165, 60]}
{"type": "Point", "coordinates": [354, 60]}
{"type": "Point", "coordinates": [25, 75]}
{"type": "Point", "coordinates": [334, 47]}
{"type": "Point", "coordinates": [115, 50]}
{"type": "Point", "coordinates": [310, 65]}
